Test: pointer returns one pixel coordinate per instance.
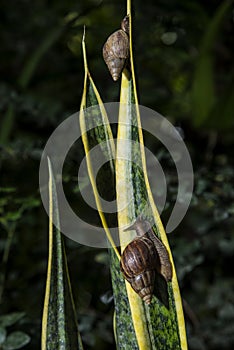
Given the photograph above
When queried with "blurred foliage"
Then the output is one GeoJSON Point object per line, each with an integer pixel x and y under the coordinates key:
{"type": "Point", "coordinates": [16, 339]}
{"type": "Point", "coordinates": [41, 81]}
{"type": "Point", "coordinates": [205, 254]}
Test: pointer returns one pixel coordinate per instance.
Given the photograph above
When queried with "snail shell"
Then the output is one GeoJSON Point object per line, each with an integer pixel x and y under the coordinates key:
{"type": "Point", "coordinates": [138, 263]}
{"type": "Point", "coordinates": [143, 227]}
{"type": "Point", "coordinates": [142, 257]}
{"type": "Point", "coordinates": [116, 50]}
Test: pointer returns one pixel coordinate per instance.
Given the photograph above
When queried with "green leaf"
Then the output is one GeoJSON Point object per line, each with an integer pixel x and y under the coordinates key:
{"type": "Point", "coordinates": [96, 130]}
{"type": "Point", "coordinates": [123, 327]}
{"type": "Point", "coordinates": [221, 116]}
{"type": "Point", "coordinates": [136, 325]}
{"type": "Point", "coordinates": [59, 324]}
{"type": "Point", "coordinates": [7, 189]}
{"type": "Point", "coordinates": [37, 55]}
{"type": "Point", "coordinates": [3, 334]}
{"type": "Point", "coordinates": [16, 340]}
{"type": "Point", "coordinates": [159, 325]}
{"type": "Point", "coordinates": [203, 95]}
{"type": "Point", "coordinates": [124, 332]}
{"type": "Point", "coordinates": [10, 319]}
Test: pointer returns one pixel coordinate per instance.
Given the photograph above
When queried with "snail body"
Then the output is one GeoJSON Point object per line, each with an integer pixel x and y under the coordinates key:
{"type": "Point", "coordinates": [142, 258]}
{"type": "Point", "coordinates": [116, 50]}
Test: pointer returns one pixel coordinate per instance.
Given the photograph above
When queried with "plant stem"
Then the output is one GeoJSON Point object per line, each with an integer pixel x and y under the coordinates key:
{"type": "Point", "coordinates": [5, 260]}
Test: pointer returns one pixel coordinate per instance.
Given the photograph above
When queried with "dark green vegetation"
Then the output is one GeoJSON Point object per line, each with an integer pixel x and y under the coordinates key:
{"type": "Point", "coordinates": [185, 72]}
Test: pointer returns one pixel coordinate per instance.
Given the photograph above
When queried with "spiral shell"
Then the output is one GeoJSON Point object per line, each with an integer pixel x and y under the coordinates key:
{"type": "Point", "coordinates": [116, 50]}
{"type": "Point", "coordinates": [142, 258]}
{"type": "Point", "coordinates": [143, 227]}
{"type": "Point", "coordinates": [138, 263]}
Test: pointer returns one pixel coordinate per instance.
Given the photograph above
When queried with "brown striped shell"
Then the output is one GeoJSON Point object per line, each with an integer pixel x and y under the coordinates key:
{"type": "Point", "coordinates": [142, 257]}
{"type": "Point", "coordinates": [116, 50]}
{"type": "Point", "coordinates": [138, 263]}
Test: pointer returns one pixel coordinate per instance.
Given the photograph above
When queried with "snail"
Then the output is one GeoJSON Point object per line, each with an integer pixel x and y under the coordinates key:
{"type": "Point", "coordinates": [116, 50]}
{"type": "Point", "coordinates": [142, 258]}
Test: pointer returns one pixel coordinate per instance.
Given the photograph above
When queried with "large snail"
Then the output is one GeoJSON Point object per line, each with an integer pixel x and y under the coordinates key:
{"type": "Point", "coordinates": [116, 50]}
{"type": "Point", "coordinates": [142, 258]}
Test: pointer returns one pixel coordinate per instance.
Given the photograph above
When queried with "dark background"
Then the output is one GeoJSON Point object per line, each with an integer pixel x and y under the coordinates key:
{"type": "Point", "coordinates": [184, 68]}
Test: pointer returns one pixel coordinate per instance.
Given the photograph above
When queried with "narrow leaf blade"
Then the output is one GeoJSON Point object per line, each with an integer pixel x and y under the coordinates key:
{"type": "Point", "coordinates": [156, 326]}
{"type": "Point", "coordinates": [59, 323]}
{"type": "Point", "coordinates": [123, 326]}
{"type": "Point", "coordinates": [203, 89]}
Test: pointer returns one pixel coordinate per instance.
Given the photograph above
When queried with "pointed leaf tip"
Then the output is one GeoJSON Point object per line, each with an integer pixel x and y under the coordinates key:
{"type": "Point", "coordinates": [83, 38]}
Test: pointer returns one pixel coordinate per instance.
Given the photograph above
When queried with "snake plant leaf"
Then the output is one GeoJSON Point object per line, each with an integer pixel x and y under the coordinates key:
{"type": "Point", "coordinates": [59, 323]}
{"type": "Point", "coordinates": [102, 134]}
{"type": "Point", "coordinates": [203, 89]}
{"type": "Point", "coordinates": [161, 324]}
{"type": "Point", "coordinates": [96, 131]}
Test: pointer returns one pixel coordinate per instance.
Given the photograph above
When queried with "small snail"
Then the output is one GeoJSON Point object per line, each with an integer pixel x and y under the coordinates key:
{"type": "Point", "coordinates": [142, 258]}
{"type": "Point", "coordinates": [116, 50]}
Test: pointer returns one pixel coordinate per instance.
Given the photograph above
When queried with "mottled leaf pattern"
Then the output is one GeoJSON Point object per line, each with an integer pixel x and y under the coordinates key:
{"type": "Point", "coordinates": [124, 331]}
{"type": "Point", "coordinates": [161, 324]}
{"type": "Point", "coordinates": [59, 324]}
